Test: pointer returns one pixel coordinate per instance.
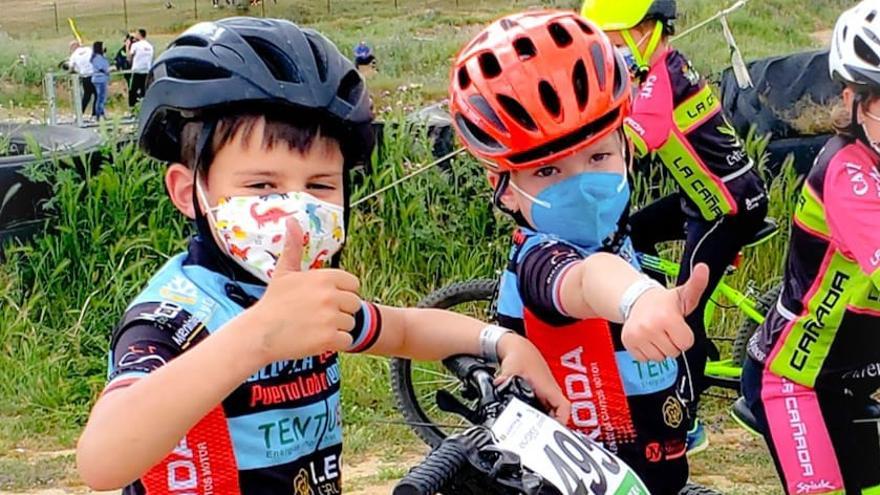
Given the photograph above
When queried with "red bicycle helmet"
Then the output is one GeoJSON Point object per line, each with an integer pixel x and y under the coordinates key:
{"type": "Point", "coordinates": [537, 86]}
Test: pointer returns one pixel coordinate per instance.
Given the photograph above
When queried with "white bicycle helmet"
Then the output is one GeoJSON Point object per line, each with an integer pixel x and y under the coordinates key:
{"type": "Point", "coordinates": [855, 46]}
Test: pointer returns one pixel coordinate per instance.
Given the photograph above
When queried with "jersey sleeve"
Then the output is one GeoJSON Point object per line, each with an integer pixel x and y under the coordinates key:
{"type": "Point", "coordinates": [150, 335]}
{"type": "Point", "coordinates": [852, 207]}
{"type": "Point", "coordinates": [539, 280]}
{"type": "Point", "coordinates": [367, 327]}
{"type": "Point", "coordinates": [649, 123]}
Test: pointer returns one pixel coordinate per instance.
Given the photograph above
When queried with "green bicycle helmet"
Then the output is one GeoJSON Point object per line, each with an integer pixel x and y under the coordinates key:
{"type": "Point", "coordinates": [623, 16]}
{"type": "Point", "coordinates": [617, 16]}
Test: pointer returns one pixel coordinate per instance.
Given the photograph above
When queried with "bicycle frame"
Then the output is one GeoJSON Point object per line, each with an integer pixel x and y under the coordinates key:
{"type": "Point", "coordinates": [724, 368]}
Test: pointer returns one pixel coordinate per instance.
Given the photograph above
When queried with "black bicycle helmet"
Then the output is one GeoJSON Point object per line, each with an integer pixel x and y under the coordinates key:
{"type": "Point", "coordinates": [245, 62]}
{"type": "Point", "coordinates": [662, 10]}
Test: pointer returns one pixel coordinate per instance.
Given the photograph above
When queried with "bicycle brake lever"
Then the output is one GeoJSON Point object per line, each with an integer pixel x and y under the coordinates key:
{"type": "Point", "coordinates": [517, 387]}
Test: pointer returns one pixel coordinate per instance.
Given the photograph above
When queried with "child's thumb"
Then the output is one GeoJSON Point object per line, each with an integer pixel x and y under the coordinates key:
{"type": "Point", "coordinates": [292, 252]}
{"type": "Point", "coordinates": [692, 291]}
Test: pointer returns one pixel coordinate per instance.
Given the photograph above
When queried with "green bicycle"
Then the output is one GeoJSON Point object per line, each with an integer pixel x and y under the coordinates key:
{"type": "Point", "coordinates": [422, 389]}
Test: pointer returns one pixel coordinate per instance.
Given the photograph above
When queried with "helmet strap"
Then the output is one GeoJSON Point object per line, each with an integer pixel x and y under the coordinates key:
{"type": "Point", "coordinates": [643, 58]}
{"type": "Point", "coordinates": [500, 188]}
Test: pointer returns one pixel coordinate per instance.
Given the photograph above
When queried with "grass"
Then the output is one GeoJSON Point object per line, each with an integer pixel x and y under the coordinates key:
{"type": "Point", "coordinates": [61, 294]}
{"type": "Point", "coordinates": [414, 41]}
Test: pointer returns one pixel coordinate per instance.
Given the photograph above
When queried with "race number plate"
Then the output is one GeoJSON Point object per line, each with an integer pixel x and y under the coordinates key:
{"type": "Point", "coordinates": [574, 464]}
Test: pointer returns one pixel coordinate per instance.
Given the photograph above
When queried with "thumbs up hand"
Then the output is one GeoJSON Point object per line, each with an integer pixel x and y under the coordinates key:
{"type": "Point", "coordinates": [656, 328]}
{"type": "Point", "coordinates": [305, 313]}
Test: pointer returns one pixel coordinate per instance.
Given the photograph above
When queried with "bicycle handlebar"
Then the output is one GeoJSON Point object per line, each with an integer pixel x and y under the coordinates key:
{"type": "Point", "coordinates": [443, 464]}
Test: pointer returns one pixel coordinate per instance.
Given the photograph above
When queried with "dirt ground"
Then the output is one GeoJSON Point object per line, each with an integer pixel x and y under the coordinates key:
{"type": "Point", "coordinates": [365, 475]}
{"type": "Point", "coordinates": [747, 470]}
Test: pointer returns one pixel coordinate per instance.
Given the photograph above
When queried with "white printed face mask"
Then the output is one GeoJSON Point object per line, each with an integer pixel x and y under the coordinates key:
{"type": "Point", "coordinates": [251, 229]}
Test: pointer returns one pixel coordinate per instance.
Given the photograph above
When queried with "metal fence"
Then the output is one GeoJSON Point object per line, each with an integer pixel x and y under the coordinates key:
{"type": "Point", "coordinates": [54, 108]}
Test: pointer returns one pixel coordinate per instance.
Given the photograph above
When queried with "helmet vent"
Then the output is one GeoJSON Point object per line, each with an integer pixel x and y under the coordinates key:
{"type": "Point", "coordinates": [464, 80]}
{"type": "Point", "coordinates": [351, 87]}
{"type": "Point", "coordinates": [320, 59]}
{"type": "Point", "coordinates": [865, 52]}
{"type": "Point", "coordinates": [599, 64]}
{"type": "Point", "coordinates": [559, 35]}
{"type": "Point", "coordinates": [584, 27]}
{"type": "Point", "coordinates": [515, 110]}
{"type": "Point", "coordinates": [580, 83]}
{"type": "Point", "coordinates": [190, 41]}
{"type": "Point", "coordinates": [192, 70]}
{"type": "Point", "coordinates": [489, 65]}
{"type": "Point", "coordinates": [871, 16]}
{"type": "Point", "coordinates": [484, 108]}
{"type": "Point", "coordinates": [524, 48]}
{"type": "Point", "coordinates": [475, 135]}
{"type": "Point", "coordinates": [278, 63]}
{"type": "Point", "coordinates": [549, 98]}
{"type": "Point", "coordinates": [871, 36]}
{"type": "Point", "coordinates": [621, 75]}
{"type": "Point", "coordinates": [477, 41]}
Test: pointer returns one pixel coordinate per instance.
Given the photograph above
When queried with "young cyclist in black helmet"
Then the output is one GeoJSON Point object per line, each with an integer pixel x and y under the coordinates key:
{"type": "Point", "coordinates": [677, 120]}
{"type": "Point", "coordinates": [223, 371]}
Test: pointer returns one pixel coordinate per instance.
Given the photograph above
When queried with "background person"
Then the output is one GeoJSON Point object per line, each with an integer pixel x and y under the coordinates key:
{"type": "Point", "coordinates": [140, 53]}
{"type": "Point", "coordinates": [80, 63]}
{"type": "Point", "coordinates": [100, 78]}
{"type": "Point", "coordinates": [812, 365]}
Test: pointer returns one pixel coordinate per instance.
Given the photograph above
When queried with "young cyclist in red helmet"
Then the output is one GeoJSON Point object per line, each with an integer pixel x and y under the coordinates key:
{"type": "Point", "coordinates": [540, 98]}
{"type": "Point", "coordinates": [677, 123]}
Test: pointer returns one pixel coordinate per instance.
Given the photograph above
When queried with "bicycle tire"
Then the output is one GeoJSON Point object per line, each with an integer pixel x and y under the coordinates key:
{"type": "Point", "coordinates": [479, 290]}
{"type": "Point", "coordinates": [694, 489]}
{"type": "Point", "coordinates": [748, 327]}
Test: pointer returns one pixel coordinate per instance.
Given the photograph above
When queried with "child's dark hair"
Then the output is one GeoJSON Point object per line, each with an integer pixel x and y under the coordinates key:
{"type": "Point", "coordinates": [842, 116]}
{"type": "Point", "coordinates": [300, 135]}
{"type": "Point", "coordinates": [668, 24]}
{"type": "Point", "coordinates": [97, 49]}
{"type": "Point", "coordinates": [142, 32]}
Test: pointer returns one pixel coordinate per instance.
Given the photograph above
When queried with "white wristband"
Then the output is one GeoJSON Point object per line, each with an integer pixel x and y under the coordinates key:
{"type": "Point", "coordinates": [489, 337]}
{"type": "Point", "coordinates": [634, 292]}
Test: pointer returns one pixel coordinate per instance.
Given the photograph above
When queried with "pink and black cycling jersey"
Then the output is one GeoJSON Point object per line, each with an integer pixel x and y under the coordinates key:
{"type": "Point", "coordinates": [678, 120]}
{"type": "Point", "coordinates": [827, 318]}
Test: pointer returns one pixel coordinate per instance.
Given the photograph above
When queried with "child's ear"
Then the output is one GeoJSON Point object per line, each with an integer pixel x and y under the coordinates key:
{"type": "Point", "coordinates": [179, 183]}
{"type": "Point", "coordinates": [508, 200]}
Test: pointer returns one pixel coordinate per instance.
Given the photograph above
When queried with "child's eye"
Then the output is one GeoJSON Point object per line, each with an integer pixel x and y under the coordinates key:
{"type": "Point", "coordinates": [601, 157]}
{"type": "Point", "coordinates": [321, 186]}
{"type": "Point", "coordinates": [261, 186]}
{"type": "Point", "coordinates": [546, 172]}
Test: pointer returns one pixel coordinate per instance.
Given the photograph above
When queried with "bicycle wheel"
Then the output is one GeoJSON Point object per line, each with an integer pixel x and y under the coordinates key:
{"type": "Point", "coordinates": [748, 327]}
{"type": "Point", "coordinates": [415, 384]}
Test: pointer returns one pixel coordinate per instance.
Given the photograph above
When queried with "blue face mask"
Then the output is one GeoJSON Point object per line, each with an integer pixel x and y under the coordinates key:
{"type": "Point", "coordinates": [583, 209]}
{"type": "Point", "coordinates": [629, 58]}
